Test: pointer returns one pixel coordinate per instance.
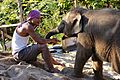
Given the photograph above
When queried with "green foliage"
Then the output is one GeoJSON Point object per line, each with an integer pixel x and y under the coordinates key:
{"type": "Point", "coordinates": [96, 4]}
{"type": "Point", "coordinates": [52, 10]}
{"type": "Point", "coordinates": [8, 12]}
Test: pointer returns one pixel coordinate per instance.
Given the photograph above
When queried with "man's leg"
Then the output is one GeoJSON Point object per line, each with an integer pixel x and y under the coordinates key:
{"type": "Point", "coordinates": [47, 57]}
{"type": "Point", "coordinates": [29, 53]}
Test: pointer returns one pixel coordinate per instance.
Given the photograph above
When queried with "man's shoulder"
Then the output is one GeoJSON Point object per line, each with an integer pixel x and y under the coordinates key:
{"type": "Point", "coordinates": [28, 26]}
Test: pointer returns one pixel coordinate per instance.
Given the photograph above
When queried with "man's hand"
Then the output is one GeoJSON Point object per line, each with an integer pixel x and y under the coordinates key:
{"type": "Point", "coordinates": [54, 40]}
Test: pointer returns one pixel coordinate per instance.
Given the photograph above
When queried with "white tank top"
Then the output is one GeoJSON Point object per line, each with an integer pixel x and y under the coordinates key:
{"type": "Point", "coordinates": [18, 42]}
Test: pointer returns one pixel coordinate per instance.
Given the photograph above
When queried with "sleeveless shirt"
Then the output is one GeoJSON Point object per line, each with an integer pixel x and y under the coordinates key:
{"type": "Point", "coordinates": [18, 42]}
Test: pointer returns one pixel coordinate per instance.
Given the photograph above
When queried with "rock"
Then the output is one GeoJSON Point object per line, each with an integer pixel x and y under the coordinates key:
{"type": "Point", "coordinates": [12, 70]}
{"type": "Point", "coordinates": [69, 44]}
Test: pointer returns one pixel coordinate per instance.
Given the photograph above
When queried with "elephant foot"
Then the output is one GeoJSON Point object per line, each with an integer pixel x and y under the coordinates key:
{"type": "Point", "coordinates": [98, 78]}
{"type": "Point", "coordinates": [78, 75]}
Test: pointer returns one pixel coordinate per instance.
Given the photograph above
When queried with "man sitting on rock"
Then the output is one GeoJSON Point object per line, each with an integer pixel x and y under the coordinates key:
{"type": "Point", "coordinates": [24, 52]}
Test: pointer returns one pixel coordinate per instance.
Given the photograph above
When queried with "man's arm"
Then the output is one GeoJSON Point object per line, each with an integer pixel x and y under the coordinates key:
{"type": "Point", "coordinates": [37, 38]}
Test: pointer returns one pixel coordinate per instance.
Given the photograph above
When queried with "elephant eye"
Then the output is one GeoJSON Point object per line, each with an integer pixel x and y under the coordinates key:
{"type": "Point", "coordinates": [74, 22]}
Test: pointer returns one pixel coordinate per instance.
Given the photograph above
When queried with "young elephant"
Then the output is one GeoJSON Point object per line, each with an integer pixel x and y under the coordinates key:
{"type": "Point", "coordinates": [98, 36]}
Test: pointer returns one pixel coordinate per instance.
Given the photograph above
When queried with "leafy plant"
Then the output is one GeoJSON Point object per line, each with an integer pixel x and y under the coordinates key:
{"type": "Point", "coordinates": [52, 11]}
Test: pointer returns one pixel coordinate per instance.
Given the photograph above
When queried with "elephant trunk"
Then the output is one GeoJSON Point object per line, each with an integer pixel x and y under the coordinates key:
{"type": "Point", "coordinates": [57, 30]}
{"type": "Point", "coordinates": [51, 33]}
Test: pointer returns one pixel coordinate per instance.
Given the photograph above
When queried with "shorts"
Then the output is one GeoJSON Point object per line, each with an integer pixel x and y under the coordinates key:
{"type": "Point", "coordinates": [29, 53]}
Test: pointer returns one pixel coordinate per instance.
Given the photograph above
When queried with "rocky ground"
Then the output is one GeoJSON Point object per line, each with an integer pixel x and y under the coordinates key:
{"type": "Point", "coordinates": [12, 70]}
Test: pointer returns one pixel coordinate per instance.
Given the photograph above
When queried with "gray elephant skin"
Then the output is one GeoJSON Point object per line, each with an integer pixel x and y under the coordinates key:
{"type": "Point", "coordinates": [98, 36]}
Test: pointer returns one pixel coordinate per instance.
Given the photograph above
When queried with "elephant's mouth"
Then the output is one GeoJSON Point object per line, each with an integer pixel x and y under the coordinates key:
{"type": "Point", "coordinates": [71, 35]}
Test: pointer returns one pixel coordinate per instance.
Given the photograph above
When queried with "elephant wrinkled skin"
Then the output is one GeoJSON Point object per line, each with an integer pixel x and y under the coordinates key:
{"type": "Point", "coordinates": [98, 37]}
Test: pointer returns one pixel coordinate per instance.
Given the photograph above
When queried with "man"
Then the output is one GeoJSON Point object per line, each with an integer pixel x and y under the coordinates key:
{"type": "Point", "coordinates": [20, 48]}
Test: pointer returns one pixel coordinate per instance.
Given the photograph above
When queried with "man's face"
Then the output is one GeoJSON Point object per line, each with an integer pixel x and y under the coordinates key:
{"type": "Point", "coordinates": [36, 21]}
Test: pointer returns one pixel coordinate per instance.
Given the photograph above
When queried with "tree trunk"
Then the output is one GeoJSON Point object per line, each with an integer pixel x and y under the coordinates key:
{"type": "Point", "coordinates": [75, 3]}
{"type": "Point", "coordinates": [3, 39]}
{"type": "Point", "coordinates": [20, 10]}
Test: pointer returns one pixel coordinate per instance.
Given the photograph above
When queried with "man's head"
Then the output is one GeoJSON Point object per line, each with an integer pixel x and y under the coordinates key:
{"type": "Point", "coordinates": [34, 17]}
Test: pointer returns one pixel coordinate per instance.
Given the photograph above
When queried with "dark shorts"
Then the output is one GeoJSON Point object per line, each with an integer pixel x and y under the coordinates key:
{"type": "Point", "coordinates": [29, 53]}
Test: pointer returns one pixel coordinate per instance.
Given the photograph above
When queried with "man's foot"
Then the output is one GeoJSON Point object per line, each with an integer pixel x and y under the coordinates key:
{"type": "Point", "coordinates": [54, 70]}
{"type": "Point", "coordinates": [57, 63]}
{"type": "Point", "coordinates": [37, 64]}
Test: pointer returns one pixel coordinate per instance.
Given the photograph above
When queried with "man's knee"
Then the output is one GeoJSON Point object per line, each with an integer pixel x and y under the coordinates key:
{"type": "Point", "coordinates": [42, 46]}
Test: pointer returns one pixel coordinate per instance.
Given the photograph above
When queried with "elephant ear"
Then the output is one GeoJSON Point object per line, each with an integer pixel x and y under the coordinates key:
{"type": "Point", "coordinates": [77, 24]}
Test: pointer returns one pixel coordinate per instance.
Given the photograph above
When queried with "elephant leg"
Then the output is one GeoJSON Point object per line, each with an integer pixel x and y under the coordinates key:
{"type": "Point", "coordinates": [81, 58]}
{"type": "Point", "coordinates": [116, 65]}
{"type": "Point", "coordinates": [115, 60]}
{"type": "Point", "coordinates": [97, 67]}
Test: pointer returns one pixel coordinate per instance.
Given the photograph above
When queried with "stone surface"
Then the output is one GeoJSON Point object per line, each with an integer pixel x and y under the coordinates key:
{"type": "Point", "coordinates": [12, 70]}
